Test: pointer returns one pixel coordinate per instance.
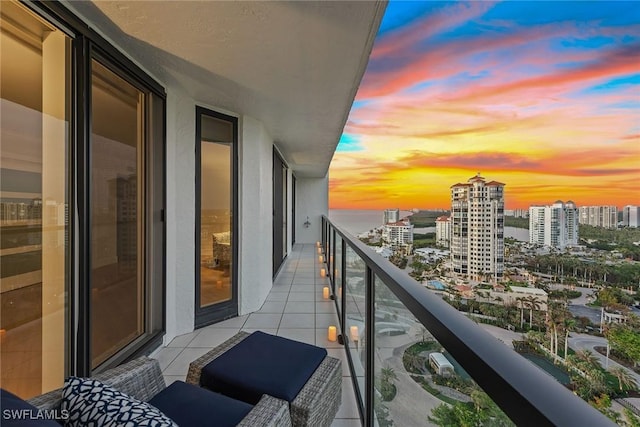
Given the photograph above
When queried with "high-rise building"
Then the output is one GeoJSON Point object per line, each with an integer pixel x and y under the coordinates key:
{"type": "Point", "coordinates": [477, 228]}
{"type": "Point", "coordinates": [443, 230]}
{"type": "Point", "coordinates": [555, 225]}
{"type": "Point", "coordinates": [398, 235]}
{"type": "Point", "coordinates": [391, 216]}
{"type": "Point", "coordinates": [599, 216]}
{"type": "Point", "coordinates": [631, 216]}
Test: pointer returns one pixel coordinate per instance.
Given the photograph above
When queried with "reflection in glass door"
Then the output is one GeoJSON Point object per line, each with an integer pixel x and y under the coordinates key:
{"type": "Point", "coordinates": [34, 218]}
{"type": "Point", "coordinates": [216, 293]}
{"type": "Point", "coordinates": [117, 213]}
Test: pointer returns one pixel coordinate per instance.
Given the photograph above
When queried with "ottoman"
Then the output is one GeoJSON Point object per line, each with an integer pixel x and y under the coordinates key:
{"type": "Point", "coordinates": [247, 366]}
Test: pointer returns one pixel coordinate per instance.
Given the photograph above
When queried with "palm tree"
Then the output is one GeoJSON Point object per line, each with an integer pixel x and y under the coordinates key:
{"type": "Point", "coordinates": [520, 300]}
{"type": "Point", "coordinates": [388, 375]}
{"type": "Point", "coordinates": [569, 324]}
{"type": "Point", "coordinates": [588, 358]}
{"type": "Point", "coordinates": [624, 378]}
{"type": "Point", "coordinates": [534, 304]}
{"type": "Point", "coordinates": [413, 362]}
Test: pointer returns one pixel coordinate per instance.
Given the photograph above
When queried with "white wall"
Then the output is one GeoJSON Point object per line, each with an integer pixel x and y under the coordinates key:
{"type": "Point", "coordinates": [180, 214]}
{"type": "Point", "coordinates": [256, 216]}
{"type": "Point", "coordinates": [312, 200]}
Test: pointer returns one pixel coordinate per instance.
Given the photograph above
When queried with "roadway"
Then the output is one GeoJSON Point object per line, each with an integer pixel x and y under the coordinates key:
{"type": "Point", "coordinates": [588, 342]}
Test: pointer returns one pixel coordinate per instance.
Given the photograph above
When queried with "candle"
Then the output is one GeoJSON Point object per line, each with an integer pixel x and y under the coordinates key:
{"type": "Point", "coordinates": [325, 292]}
{"type": "Point", "coordinates": [332, 334]}
{"type": "Point", "coordinates": [323, 272]}
{"type": "Point", "coordinates": [354, 333]}
{"type": "Point", "coordinates": [320, 259]}
{"type": "Point", "coordinates": [340, 292]}
{"type": "Point", "coordinates": [317, 244]}
{"type": "Point", "coordinates": [319, 250]}
{"type": "Point", "coordinates": [219, 284]}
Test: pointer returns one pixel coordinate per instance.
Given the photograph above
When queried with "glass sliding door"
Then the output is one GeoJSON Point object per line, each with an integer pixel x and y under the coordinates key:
{"type": "Point", "coordinates": [279, 212]}
{"type": "Point", "coordinates": [117, 213]}
{"type": "Point", "coordinates": [216, 289]}
{"type": "Point", "coordinates": [82, 235]}
{"type": "Point", "coordinates": [34, 221]}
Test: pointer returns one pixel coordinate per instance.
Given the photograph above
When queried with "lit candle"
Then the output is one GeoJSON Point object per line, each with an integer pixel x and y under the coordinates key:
{"type": "Point", "coordinates": [320, 259]}
{"type": "Point", "coordinates": [332, 334]}
{"type": "Point", "coordinates": [318, 244]}
{"type": "Point", "coordinates": [323, 272]}
{"type": "Point", "coordinates": [219, 284]}
{"type": "Point", "coordinates": [325, 292]}
{"type": "Point", "coordinates": [354, 333]}
{"type": "Point", "coordinates": [340, 292]}
{"type": "Point", "coordinates": [319, 250]}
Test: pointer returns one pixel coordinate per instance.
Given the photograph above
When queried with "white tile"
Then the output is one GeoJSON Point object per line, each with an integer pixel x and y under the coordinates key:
{"type": "Point", "coordinates": [324, 320]}
{"type": "Point", "coordinates": [339, 353]}
{"type": "Point", "coordinates": [325, 306]}
{"type": "Point", "coordinates": [183, 340]}
{"type": "Point", "coordinates": [300, 307]}
{"type": "Point", "coordinates": [213, 337]}
{"type": "Point", "coordinates": [170, 379]}
{"type": "Point", "coordinates": [180, 365]}
{"type": "Point", "coordinates": [322, 341]}
{"type": "Point", "coordinates": [263, 320]}
{"type": "Point", "coordinates": [297, 334]}
{"type": "Point", "coordinates": [166, 355]}
{"type": "Point", "coordinates": [303, 288]}
{"type": "Point", "coordinates": [301, 296]}
{"type": "Point", "coordinates": [346, 422]}
{"type": "Point", "coordinates": [293, 320]}
{"type": "Point", "coordinates": [277, 296]}
{"type": "Point", "coordinates": [280, 288]}
{"type": "Point", "coordinates": [271, 331]}
{"type": "Point", "coordinates": [234, 323]}
{"type": "Point", "coordinates": [272, 307]}
{"type": "Point", "coordinates": [348, 408]}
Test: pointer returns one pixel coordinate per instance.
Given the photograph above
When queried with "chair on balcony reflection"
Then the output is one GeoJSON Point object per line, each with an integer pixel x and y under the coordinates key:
{"type": "Point", "coordinates": [249, 365]}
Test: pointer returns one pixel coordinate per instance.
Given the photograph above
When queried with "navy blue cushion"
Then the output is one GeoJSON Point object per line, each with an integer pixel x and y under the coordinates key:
{"type": "Point", "coordinates": [189, 405]}
{"type": "Point", "coordinates": [263, 364]}
{"type": "Point", "coordinates": [18, 412]}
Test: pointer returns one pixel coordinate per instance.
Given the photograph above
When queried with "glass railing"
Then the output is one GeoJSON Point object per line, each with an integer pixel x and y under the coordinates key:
{"type": "Point", "coordinates": [415, 360]}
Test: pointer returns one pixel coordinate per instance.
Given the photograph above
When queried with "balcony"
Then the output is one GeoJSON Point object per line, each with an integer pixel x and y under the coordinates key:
{"type": "Point", "coordinates": [381, 313]}
{"type": "Point", "coordinates": [295, 309]}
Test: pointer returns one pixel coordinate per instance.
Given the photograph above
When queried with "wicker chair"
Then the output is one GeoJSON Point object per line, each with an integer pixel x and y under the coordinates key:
{"type": "Point", "coordinates": [142, 378]}
{"type": "Point", "coordinates": [315, 405]}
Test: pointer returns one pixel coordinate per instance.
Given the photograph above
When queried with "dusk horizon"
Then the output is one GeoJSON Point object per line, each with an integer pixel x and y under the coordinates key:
{"type": "Point", "coordinates": [541, 96]}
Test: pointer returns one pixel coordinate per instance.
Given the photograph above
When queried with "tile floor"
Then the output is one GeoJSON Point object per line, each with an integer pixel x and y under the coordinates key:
{"type": "Point", "coordinates": [294, 309]}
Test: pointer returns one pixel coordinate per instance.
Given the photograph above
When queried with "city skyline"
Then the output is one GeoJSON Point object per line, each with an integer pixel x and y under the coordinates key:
{"type": "Point", "coordinates": [543, 96]}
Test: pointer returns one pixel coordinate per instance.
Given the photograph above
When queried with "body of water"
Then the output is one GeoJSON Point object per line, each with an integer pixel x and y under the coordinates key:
{"type": "Point", "coordinates": [359, 221]}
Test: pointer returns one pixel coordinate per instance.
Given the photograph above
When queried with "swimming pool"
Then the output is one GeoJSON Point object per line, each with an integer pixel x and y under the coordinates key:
{"type": "Point", "coordinates": [436, 284]}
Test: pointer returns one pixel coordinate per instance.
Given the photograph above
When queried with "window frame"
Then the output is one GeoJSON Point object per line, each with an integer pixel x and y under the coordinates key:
{"type": "Point", "coordinates": [86, 45]}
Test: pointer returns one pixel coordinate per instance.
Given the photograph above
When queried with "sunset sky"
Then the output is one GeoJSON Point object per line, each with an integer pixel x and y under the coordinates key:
{"type": "Point", "coordinates": [542, 96]}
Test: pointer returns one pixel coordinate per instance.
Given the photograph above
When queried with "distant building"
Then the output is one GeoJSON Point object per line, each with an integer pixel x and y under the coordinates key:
{"type": "Point", "coordinates": [555, 225]}
{"type": "Point", "coordinates": [477, 229]}
{"type": "Point", "coordinates": [517, 213]}
{"type": "Point", "coordinates": [631, 216]}
{"type": "Point", "coordinates": [443, 230]}
{"type": "Point", "coordinates": [398, 235]}
{"type": "Point", "coordinates": [599, 216]}
{"type": "Point", "coordinates": [391, 216]}
{"type": "Point", "coordinates": [520, 294]}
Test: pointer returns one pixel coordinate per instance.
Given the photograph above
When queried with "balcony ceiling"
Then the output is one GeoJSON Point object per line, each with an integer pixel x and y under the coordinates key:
{"type": "Point", "coordinates": [295, 66]}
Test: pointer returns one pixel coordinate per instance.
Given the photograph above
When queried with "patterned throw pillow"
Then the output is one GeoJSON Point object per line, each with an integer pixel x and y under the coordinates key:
{"type": "Point", "coordinates": [92, 403]}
